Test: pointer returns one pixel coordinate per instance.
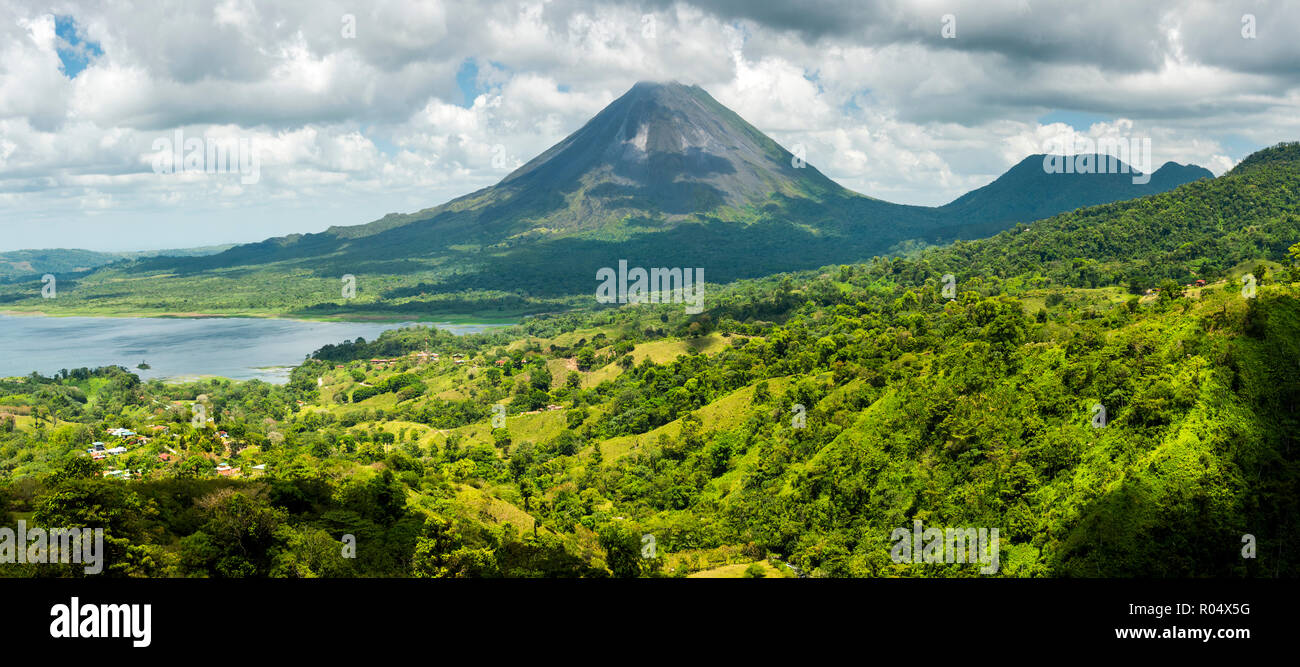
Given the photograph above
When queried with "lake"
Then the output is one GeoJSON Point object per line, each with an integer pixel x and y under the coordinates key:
{"type": "Point", "coordinates": [232, 347]}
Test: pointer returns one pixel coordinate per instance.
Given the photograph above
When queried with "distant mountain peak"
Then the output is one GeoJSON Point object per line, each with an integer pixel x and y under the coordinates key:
{"type": "Point", "coordinates": [1029, 191]}
{"type": "Point", "coordinates": [671, 144]}
{"type": "Point", "coordinates": [646, 85]}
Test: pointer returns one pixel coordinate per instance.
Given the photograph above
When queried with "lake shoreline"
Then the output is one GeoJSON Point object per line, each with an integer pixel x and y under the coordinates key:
{"type": "Point", "coordinates": [453, 319]}
{"type": "Point", "coordinates": [236, 348]}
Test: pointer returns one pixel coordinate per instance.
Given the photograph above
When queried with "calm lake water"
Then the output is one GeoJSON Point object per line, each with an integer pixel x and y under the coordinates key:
{"type": "Point", "coordinates": [236, 348]}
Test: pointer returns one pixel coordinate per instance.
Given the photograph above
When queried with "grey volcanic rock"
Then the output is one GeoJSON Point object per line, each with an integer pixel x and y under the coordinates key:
{"type": "Point", "coordinates": [675, 148]}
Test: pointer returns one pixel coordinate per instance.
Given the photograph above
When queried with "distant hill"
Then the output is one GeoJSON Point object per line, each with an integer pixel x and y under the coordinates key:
{"type": "Point", "coordinates": [1027, 192]}
{"type": "Point", "coordinates": [665, 176]}
{"type": "Point", "coordinates": [21, 264]}
{"type": "Point", "coordinates": [1199, 230]}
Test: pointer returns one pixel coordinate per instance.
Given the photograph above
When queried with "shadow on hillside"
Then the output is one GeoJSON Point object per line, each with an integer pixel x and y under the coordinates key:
{"type": "Point", "coordinates": [1186, 513]}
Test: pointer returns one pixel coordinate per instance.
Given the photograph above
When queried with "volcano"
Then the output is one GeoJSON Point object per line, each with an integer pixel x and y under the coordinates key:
{"type": "Point", "coordinates": [663, 176]}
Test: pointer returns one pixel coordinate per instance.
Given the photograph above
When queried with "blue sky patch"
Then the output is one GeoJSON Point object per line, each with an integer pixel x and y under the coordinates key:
{"type": "Point", "coordinates": [467, 79]}
{"type": "Point", "coordinates": [1238, 147]}
{"type": "Point", "coordinates": [74, 52]}
{"type": "Point", "coordinates": [474, 80]}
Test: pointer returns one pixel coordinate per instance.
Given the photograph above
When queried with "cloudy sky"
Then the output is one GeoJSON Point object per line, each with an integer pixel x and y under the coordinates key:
{"type": "Point", "coordinates": [358, 109]}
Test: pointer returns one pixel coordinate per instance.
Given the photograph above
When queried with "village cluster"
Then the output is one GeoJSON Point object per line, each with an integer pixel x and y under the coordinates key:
{"type": "Point", "coordinates": [127, 440]}
{"type": "Point", "coordinates": [101, 451]}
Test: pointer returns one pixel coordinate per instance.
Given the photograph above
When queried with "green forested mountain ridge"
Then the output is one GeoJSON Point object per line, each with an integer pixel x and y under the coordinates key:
{"type": "Point", "coordinates": [1198, 230]}
{"type": "Point", "coordinates": [971, 412]}
{"type": "Point", "coordinates": [663, 176]}
{"type": "Point", "coordinates": [1282, 155]}
{"type": "Point", "coordinates": [1026, 192]}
